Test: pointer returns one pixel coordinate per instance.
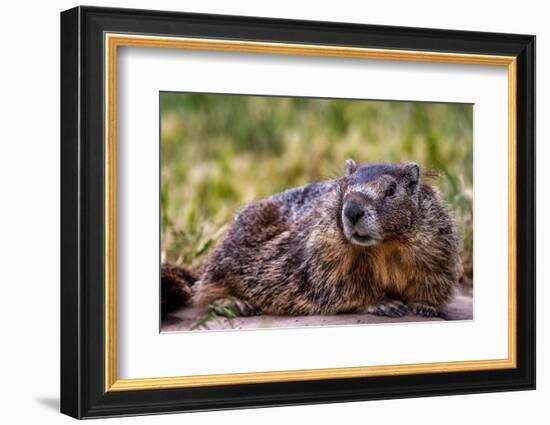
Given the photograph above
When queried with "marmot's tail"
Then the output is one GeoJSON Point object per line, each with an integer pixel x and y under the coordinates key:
{"type": "Point", "coordinates": [175, 282]}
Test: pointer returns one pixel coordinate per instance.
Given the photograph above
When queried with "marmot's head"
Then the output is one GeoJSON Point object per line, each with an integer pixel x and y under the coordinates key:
{"type": "Point", "coordinates": [379, 201]}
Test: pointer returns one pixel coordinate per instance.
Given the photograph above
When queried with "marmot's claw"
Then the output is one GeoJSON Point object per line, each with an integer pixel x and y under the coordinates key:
{"type": "Point", "coordinates": [390, 308]}
{"type": "Point", "coordinates": [423, 309]}
{"type": "Point", "coordinates": [248, 310]}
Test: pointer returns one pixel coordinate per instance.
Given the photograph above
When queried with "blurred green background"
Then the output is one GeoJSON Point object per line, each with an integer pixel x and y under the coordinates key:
{"type": "Point", "coordinates": [219, 152]}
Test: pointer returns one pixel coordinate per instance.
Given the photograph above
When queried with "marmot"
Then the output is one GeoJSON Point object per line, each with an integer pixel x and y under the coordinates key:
{"type": "Point", "coordinates": [376, 240]}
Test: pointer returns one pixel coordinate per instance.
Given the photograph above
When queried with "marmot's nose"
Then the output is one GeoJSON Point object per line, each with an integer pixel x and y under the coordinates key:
{"type": "Point", "coordinates": [353, 212]}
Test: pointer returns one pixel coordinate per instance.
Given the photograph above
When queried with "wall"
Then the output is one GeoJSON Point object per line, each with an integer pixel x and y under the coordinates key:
{"type": "Point", "coordinates": [29, 172]}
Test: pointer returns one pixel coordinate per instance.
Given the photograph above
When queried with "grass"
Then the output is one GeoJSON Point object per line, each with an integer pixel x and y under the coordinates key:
{"type": "Point", "coordinates": [219, 152]}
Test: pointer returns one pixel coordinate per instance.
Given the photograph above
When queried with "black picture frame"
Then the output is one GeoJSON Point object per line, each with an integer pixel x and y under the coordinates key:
{"type": "Point", "coordinates": [83, 392]}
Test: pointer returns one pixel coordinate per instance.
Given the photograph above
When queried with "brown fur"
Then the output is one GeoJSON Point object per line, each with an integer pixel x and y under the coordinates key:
{"type": "Point", "coordinates": [176, 283]}
{"type": "Point", "coordinates": [292, 254]}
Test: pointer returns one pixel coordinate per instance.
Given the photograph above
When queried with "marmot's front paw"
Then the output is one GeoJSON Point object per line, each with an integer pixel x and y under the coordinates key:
{"type": "Point", "coordinates": [232, 306]}
{"type": "Point", "coordinates": [390, 308]}
{"type": "Point", "coordinates": [424, 309]}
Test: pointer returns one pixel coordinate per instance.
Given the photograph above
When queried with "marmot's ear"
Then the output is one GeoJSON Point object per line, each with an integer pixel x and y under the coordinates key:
{"type": "Point", "coordinates": [351, 166]}
{"type": "Point", "coordinates": [412, 171]}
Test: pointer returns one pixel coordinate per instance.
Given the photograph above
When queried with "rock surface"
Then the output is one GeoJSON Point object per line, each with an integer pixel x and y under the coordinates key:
{"type": "Point", "coordinates": [460, 308]}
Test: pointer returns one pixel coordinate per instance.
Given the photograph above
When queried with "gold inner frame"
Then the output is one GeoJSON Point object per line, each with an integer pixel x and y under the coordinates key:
{"type": "Point", "coordinates": [113, 41]}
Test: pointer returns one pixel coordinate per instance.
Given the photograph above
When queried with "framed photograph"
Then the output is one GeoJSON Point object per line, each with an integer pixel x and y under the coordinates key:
{"type": "Point", "coordinates": [260, 212]}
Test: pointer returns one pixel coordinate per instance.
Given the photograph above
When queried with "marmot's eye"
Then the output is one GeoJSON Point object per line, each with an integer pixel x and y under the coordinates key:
{"type": "Point", "coordinates": [391, 189]}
